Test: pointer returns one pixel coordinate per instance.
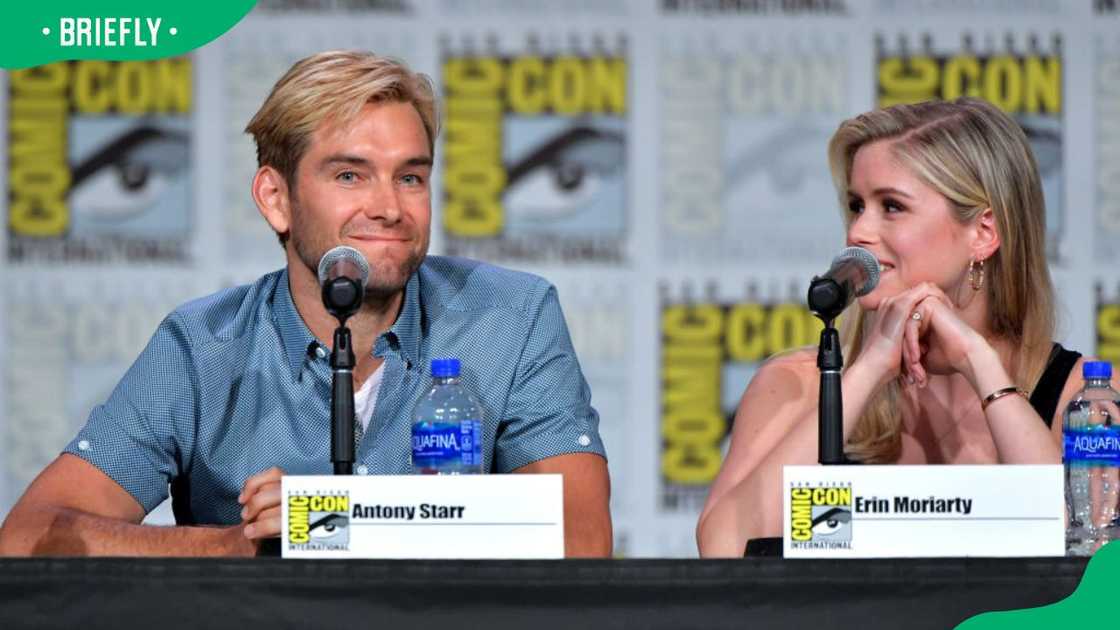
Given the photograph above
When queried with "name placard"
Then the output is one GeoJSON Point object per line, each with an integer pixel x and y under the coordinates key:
{"type": "Point", "coordinates": [922, 511]}
{"type": "Point", "coordinates": [422, 516]}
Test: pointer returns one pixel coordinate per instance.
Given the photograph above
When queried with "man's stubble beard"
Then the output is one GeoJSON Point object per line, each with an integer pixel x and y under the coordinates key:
{"type": "Point", "coordinates": [379, 287]}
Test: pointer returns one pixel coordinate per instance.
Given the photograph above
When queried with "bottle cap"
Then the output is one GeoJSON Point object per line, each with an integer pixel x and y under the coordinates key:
{"type": "Point", "coordinates": [445, 368]}
{"type": "Point", "coordinates": [1096, 369]}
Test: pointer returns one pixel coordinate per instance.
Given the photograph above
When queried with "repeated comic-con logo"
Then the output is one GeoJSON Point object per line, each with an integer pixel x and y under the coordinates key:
{"type": "Point", "coordinates": [534, 154]}
{"type": "Point", "coordinates": [1107, 140]}
{"type": "Point", "coordinates": [754, 9]}
{"type": "Point", "coordinates": [710, 349]}
{"type": "Point", "coordinates": [743, 132]}
{"type": "Point", "coordinates": [99, 161]}
{"type": "Point", "coordinates": [1021, 74]}
{"type": "Point", "coordinates": [1108, 323]}
{"type": "Point", "coordinates": [403, 7]}
{"type": "Point", "coordinates": [65, 345]}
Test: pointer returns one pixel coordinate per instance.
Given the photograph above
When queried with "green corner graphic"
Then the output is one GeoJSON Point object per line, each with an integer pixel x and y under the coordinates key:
{"type": "Point", "coordinates": [35, 34]}
{"type": "Point", "coordinates": [1081, 608]}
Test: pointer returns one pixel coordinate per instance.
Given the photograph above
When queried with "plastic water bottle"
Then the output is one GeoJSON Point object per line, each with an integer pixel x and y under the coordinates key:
{"type": "Point", "coordinates": [1091, 436]}
{"type": "Point", "coordinates": [447, 426]}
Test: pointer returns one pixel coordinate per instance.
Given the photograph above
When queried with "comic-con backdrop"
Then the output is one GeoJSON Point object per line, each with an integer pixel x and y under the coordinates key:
{"type": "Point", "coordinates": [661, 161]}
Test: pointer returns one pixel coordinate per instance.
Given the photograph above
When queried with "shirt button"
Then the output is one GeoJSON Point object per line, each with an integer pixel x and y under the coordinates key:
{"type": "Point", "coordinates": [321, 352]}
{"type": "Point", "coordinates": [83, 445]}
{"type": "Point", "coordinates": [584, 440]}
{"type": "Point", "coordinates": [363, 470]}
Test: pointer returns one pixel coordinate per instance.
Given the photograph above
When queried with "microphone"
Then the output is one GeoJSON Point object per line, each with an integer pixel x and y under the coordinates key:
{"type": "Point", "coordinates": [854, 273]}
{"type": "Point", "coordinates": [343, 272]}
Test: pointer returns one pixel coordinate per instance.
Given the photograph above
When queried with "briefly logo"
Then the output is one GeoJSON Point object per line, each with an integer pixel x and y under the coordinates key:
{"type": "Point", "coordinates": [319, 521]}
{"type": "Point", "coordinates": [821, 516]}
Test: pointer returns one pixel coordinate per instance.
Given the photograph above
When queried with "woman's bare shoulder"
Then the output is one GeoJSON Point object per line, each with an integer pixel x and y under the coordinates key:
{"type": "Point", "coordinates": [801, 360]}
{"type": "Point", "coordinates": [784, 375]}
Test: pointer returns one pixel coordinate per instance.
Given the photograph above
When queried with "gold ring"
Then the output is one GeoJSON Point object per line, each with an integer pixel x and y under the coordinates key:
{"type": "Point", "coordinates": [916, 316]}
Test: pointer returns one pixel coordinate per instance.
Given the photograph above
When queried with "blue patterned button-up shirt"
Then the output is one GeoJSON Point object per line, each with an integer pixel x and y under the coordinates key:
{"type": "Point", "coordinates": [231, 384]}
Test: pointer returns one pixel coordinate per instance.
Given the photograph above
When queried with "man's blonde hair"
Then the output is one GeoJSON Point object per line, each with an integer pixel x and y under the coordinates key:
{"type": "Point", "coordinates": [333, 85]}
{"type": "Point", "coordinates": [977, 157]}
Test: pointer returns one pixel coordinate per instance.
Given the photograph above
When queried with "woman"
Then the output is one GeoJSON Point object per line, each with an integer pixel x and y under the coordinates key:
{"type": "Point", "coordinates": [942, 356]}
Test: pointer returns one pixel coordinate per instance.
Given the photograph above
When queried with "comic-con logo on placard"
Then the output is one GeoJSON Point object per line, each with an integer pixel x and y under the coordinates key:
{"type": "Point", "coordinates": [820, 516]}
{"type": "Point", "coordinates": [1019, 73]}
{"type": "Point", "coordinates": [710, 349]}
{"type": "Point", "coordinates": [99, 161]}
{"type": "Point", "coordinates": [535, 155]}
{"type": "Point", "coordinates": [319, 521]}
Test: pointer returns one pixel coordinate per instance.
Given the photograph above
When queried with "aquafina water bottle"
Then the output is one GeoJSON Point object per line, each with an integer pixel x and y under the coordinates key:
{"type": "Point", "coordinates": [1091, 436]}
{"type": "Point", "coordinates": [447, 425]}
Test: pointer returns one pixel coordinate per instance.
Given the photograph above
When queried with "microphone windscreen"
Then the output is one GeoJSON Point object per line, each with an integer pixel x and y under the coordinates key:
{"type": "Point", "coordinates": [867, 262]}
{"type": "Point", "coordinates": [345, 261]}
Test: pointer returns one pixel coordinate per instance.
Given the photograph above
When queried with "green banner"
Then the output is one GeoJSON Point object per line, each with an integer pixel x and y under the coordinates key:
{"type": "Point", "coordinates": [115, 30]}
{"type": "Point", "coordinates": [1087, 607]}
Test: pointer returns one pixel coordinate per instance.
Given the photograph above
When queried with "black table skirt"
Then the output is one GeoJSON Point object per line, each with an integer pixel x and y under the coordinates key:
{"type": "Point", "coordinates": [585, 594]}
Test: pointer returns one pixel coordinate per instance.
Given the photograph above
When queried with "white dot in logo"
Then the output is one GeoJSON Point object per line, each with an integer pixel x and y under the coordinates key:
{"type": "Point", "coordinates": [46, 30]}
{"type": "Point", "coordinates": [174, 31]}
{"type": "Point", "coordinates": [83, 445]}
{"type": "Point", "coordinates": [320, 352]}
{"type": "Point", "coordinates": [584, 440]}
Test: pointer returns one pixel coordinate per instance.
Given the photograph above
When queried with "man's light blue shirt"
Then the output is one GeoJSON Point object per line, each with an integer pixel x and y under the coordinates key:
{"type": "Point", "coordinates": [234, 383]}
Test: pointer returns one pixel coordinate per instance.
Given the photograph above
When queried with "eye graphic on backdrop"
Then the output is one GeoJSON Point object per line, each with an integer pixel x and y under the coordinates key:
{"type": "Point", "coordinates": [832, 521]}
{"type": "Point", "coordinates": [329, 526]}
{"type": "Point", "coordinates": [787, 157]}
{"type": "Point", "coordinates": [1045, 143]}
{"type": "Point", "coordinates": [564, 172]}
{"type": "Point", "coordinates": [128, 174]}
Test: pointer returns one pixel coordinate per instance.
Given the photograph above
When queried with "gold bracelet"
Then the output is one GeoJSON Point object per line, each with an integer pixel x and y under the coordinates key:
{"type": "Point", "coordinates": [1000, 393]}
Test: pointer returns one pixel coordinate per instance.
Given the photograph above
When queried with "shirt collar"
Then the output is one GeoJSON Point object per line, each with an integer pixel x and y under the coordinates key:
{"type": "Point", "coordinates": [403, 336]}
{"type": "Point", "coordinates": [294, 335]}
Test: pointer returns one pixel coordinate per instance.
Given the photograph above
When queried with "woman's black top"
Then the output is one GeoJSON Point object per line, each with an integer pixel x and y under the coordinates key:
{"type": "Point", "coordinates": [1044, 399]}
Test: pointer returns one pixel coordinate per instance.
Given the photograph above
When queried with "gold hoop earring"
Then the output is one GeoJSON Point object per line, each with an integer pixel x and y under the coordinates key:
{"type": "Point", "coordinates": [976, 274]}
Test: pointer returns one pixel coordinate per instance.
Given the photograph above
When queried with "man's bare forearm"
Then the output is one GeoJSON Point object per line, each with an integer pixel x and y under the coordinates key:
{"type": "Point", "coordinates": [588, 537]}
{"type": "Point", "coordinates": [55, 531]}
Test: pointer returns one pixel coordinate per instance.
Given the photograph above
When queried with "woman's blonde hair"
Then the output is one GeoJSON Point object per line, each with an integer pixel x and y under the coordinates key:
{"type": "Point", "coordinates": [976, 157]}
{"type": "Point", "coordinates": [333, 85]}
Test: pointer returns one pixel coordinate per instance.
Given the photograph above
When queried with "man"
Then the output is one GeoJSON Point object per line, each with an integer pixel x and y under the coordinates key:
{"type": "Point", "coordinates": [233, 390]}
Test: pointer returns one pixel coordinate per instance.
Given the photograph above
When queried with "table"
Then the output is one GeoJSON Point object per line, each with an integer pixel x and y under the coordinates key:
{"type": "Point", "coordinates": [584, 594]}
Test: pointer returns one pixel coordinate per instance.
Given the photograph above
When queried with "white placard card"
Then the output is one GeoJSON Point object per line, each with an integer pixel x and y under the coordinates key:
{"type": "Point", "coordinates": [423, 516]}
{"type": "Point", "coordinates": [922, 511]}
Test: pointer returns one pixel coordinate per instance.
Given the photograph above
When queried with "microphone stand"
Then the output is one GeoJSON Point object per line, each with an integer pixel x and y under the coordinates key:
{"type": "Point", "coordinates": [342, 401]}
{"type": "Point", "coordinates": [827, 299]}
{"type": "Point", "coordinates": [342, 297]}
